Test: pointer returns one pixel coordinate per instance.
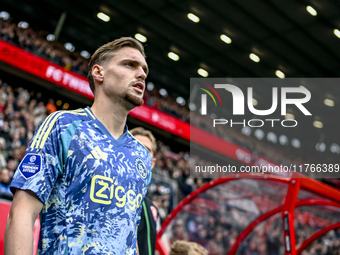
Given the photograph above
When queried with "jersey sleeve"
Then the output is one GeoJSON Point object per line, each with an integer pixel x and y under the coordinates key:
{"type": "Point", "coordinates": [43, 160]}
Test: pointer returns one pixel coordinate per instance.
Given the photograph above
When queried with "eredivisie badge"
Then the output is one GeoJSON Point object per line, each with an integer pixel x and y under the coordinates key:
{"type": "Point", "coordinates": [30, 165]}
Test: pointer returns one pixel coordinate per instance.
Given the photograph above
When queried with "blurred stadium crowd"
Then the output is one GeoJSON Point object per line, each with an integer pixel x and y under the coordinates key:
{"type": "Point", "coordinates": [218, 224]}
{"type": "Point", "coordinates": [21, 112]}
{"type": "Point", "coordinates": [36, 43]}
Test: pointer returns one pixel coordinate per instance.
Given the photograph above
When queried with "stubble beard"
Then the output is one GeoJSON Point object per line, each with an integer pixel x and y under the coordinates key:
{"type": "Point", "coordinates": [133, 99]}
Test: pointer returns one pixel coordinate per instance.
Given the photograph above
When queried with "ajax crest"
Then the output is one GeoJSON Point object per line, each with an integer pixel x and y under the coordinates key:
{"type": "Point", "coordinates": [33, 158]}
{"type": "Point", "coordinates": [141, 168]}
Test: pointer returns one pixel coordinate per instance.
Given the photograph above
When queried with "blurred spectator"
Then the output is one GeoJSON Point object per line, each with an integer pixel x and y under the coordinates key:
{"type": "Point", "coordinates": [179, 231]}
{"type": "Point", "coordinates": [50, 107]}
{"type": "Point", "coordinates": [39, 113]}
{"type": "Point", "coordinates": [12, 165]}
{"type": "Point", "coordinates": [156, 198]}
{"type": "Point", "coordinates": [3, 153]}
{"type": "Point", "coordinates": [5, 180]}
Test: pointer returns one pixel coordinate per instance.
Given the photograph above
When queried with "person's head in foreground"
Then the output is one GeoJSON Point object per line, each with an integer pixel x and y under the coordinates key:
{"type": "Point", "coordinates": [117, 73]}
{"type": "Point", "coordinates": [181, 247]}
{"type": "Point", "coordinates": [147, 139]}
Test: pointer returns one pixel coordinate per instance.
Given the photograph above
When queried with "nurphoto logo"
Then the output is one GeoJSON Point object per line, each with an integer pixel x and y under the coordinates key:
{"type": "Point", "coordinates": [239, 98]}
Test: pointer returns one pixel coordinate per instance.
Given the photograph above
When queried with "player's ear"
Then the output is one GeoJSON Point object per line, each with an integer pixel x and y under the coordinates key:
{"type": "Point", "coordinates": [153, 162]}
{"type": "Point", "coordinates": [98, 73]}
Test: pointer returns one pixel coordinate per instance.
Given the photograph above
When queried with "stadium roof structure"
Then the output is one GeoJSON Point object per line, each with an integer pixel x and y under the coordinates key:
{"type": "Point", "coordinates": [225, 38]}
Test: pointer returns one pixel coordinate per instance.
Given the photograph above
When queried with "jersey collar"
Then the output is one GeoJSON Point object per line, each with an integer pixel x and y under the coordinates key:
{"type": "Point", "coordinates": [121, 140]}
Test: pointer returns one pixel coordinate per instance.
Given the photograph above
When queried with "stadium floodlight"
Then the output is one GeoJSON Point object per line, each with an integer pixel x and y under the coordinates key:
{"type": "Point", "coordinates": [290, 116]}
{"type": "Point", "coordinates": [296, 143]}
{"type": "Point", "coordinates": [280, 74]}
{"type": "Point", "coordinates": [173, 56]}
{"type": "Point", "coordinates": [180, 101]}
{"type": "Point", "coordinates": [317, 124]}
{"type": "Point", "coordinates": [69, 46]}
{"type": "Point", "coordinates": [4, 15]}
{"type": "Point", "coordinates": [141, 37]}
{"type": "Point", "coordinates": [213, 116]}
{"type": "Point", "coordinates": [163, 92]}
{"type": "Point", "coordinates": [254, 57]}
{"type": "Point", "coordinates": [283, 140]}
{"type": "Point", "coordinates": [85, 54]}
{"type": "Point", "coordinates": [271, 137]}
{"type": "Point", "coordinates": [329, 102]}
{"type": "Point", "coordinates": [320, 147]}
{"type": "Point", "coordinates": [337, 33]}
{"type": "Point", "coordinates": [192, 106]}
{"type": "Point", "coordinates": [150, 86]}
{"type": "Point", "coordinates": [193, 17]}
{"type": "Point", "coordinates": [50, 37]}
{"type": "Point", "coordinates": [23, 24]}
{"type": "Point", "coordinates": [225, 39]}
{"type": "Point", "coordinates": [311, 10]}
{"type": "Point", "coordinates": [103, 17]}
{"type": "Point", "coordinates": [246, 131]}
{"type": "Point", "coordinates": [335, 148]}
{"type": "Point", "coordinates": [259, 134]}
{"type": "Point", "coordinates": [254, 102]}
{"type": "Point", "coordinates": [202, 72]}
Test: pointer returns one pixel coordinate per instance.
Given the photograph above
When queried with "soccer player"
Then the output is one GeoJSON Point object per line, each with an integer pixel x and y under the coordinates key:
{"type": "Point", "coordinates": [150, 220]}
{"type": "Point", "coordinates": [83, 171]}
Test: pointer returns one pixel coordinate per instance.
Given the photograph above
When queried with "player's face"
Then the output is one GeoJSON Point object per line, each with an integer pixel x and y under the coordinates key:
{"type": "Point", "coordinates": [124, 76]}
{"type": "Point", "coordinates": [147, 144]}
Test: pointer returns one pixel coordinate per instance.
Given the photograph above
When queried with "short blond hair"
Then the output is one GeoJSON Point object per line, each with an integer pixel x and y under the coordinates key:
{"type": "Point", "coordinates": [143, 132]}
{"type": "Point", "coordinates": [181, 247]}
{"type": "Point", "coordinates": [107, 52]}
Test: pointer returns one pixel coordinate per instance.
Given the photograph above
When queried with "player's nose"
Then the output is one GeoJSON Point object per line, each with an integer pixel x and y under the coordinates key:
{"type": "Point", "coordinates": [141, 74]}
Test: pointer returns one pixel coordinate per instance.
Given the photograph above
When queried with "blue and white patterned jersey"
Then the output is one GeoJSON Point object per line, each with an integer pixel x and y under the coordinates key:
{"type": "Point", "coordinates": [91, 184]}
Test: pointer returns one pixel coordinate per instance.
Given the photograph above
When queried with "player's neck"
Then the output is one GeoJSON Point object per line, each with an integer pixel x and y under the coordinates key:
{"type": "Point", "coordinates": [112, 116]}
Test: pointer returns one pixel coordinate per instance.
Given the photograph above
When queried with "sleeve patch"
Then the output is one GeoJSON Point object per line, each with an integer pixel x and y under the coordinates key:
{"type": "Point", "coordinates": [30, 165]}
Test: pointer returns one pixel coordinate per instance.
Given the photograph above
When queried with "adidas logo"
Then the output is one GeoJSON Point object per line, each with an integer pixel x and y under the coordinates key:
{"type": "Point", "coordinates": [97, 154]}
